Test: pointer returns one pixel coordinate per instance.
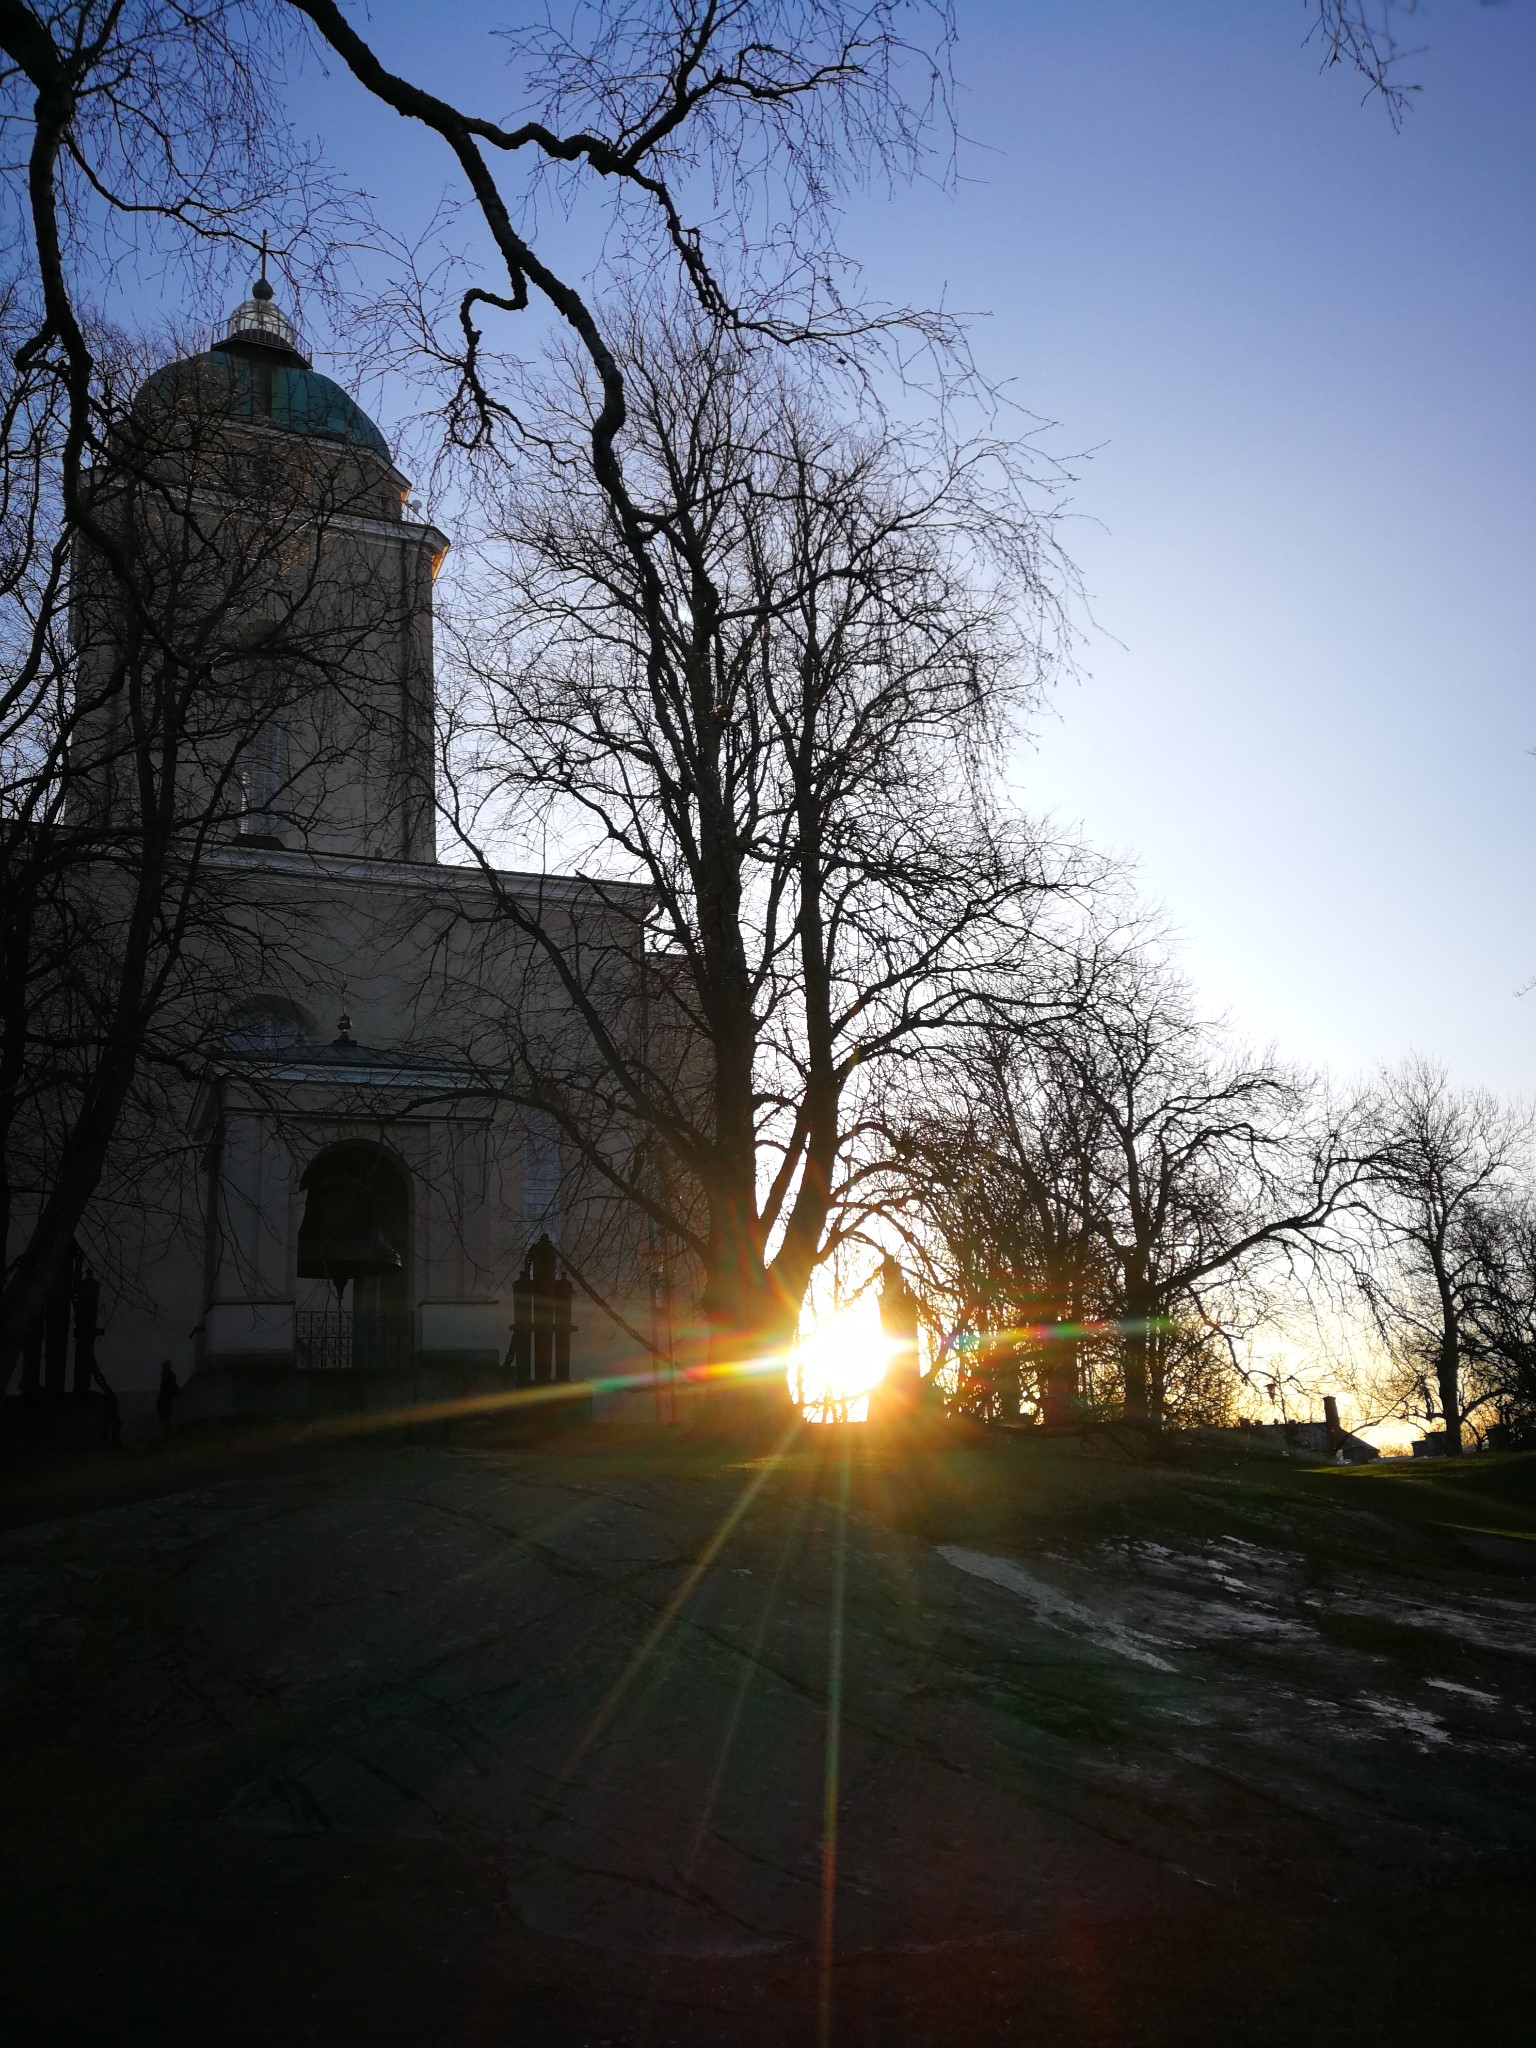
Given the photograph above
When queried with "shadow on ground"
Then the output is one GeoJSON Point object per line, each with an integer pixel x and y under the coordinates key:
{"type": "Point", "coordinates": [624, 1741]}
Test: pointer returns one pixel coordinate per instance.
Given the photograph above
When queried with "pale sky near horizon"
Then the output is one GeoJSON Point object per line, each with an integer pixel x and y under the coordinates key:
{"type": "Point", "coordinates": [1299, 344]}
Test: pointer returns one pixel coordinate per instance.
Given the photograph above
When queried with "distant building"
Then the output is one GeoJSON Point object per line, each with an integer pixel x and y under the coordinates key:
{"type": "Point", "coordinates": [1324, 1440]}
{"type": "Point", "coordinates": [1320, 1440]}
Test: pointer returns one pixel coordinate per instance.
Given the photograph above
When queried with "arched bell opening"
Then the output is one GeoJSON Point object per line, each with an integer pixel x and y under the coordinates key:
{"type": "Point", "coordinates": [355, 1236]}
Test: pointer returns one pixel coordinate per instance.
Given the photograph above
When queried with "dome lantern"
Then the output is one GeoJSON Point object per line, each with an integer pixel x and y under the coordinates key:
{"type": "Point", "coordinates": [258, 319]}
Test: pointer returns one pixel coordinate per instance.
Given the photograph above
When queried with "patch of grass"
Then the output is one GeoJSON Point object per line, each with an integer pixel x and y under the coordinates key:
{"type": "Point", "coordinates": [1496, 1491]}
{"type": "Point", "coordinates": [1023, 1493]}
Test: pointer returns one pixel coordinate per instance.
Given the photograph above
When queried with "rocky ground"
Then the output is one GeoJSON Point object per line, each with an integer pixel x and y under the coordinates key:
{"type": "Point", "coordinates": [627, 1743]}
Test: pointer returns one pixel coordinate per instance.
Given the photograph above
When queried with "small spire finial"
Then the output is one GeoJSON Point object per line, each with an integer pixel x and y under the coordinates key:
{"type": "Point", "coordinates": [343, 1022]}
{"type": "Point", "coordinates": [258, 319]}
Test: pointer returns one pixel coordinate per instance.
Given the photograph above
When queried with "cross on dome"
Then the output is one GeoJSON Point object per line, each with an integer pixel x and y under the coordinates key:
{"type": "Point", "coordinates": [259, 319]}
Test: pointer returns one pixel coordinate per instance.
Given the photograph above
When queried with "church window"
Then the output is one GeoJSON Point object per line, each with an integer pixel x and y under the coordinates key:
{"type": "Point", "coordinates": [263, 1029]}
{"type": "Point", "coordinates": [252, 474]}
{"type": "Point", "coordinates": [263, 772]}
{"type": "Point", "coordinates": [541, 1174]}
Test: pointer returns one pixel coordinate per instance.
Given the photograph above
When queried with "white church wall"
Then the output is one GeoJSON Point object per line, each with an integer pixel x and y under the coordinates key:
{"type": "Point", "coordinates": [253, 1259]}
{"type": "Point", "coordinates": [459, 1325]}
{"type": "Point", "coordinates": [240, 1328]}
{"type": "Point", "coordinates": [455, 1198]}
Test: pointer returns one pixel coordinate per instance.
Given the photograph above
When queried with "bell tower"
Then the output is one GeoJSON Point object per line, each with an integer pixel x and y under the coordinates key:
{"type": "Point", "coordinates": [315, 588]}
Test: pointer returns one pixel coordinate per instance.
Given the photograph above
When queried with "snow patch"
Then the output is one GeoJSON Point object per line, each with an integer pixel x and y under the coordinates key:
{"type": "Point", "coordinates": [1052, 1606]}
{"type": "Point", "coordinates": [1467, 1692]}
{"type": "Point", "coordinates": [1413, 1720]}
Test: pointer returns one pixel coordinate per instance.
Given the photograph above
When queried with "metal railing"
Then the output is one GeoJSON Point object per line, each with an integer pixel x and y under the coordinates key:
{"type": "Point", "coordinates": [340, 1340]}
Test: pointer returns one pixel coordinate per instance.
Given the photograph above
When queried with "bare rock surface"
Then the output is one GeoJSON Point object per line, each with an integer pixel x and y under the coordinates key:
{"type": "Point", "coordinates": [654, 1743]}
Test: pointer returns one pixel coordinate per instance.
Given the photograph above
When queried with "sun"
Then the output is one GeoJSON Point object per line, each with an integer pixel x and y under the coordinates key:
{"type": "Point", "coordinates": [838, 1362]}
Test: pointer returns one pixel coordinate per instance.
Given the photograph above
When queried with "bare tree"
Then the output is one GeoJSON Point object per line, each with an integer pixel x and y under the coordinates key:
{"type": "Point", "coordinates": [1164, 1179]}
{"type": "Point", "coordinates": [1218, 1165]}
{"type": "Point", "coordinates": [1362, 36]}
{"type": "Point", "coordinates": [720, 134]}
{"type": "Point", "coordinates": [143, 131]}
{"type": "Point", "coordinates": [1001, 1198]}
{"type": "Point", "coordinates": [1499, 1336]}
{"type": "Point", "coordinates": [1446, 1161]}
{"type": "Point", "coordinates": [793, 757]}
{"type": "Point", "coordinates": [194, 686]}
{"type": "Point", "coordinates": [148, 130]}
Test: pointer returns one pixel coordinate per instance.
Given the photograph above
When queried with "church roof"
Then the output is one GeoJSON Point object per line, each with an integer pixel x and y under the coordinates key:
{"type": "Point", "coordinates": [258, 375]}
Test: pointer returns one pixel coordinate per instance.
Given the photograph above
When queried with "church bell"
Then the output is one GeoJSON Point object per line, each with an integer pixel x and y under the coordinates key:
{"type": "Point", "coordinates": [341, 1237]}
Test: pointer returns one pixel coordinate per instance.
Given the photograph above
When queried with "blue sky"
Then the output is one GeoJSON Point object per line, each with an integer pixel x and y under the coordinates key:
{"type": "Point", "coordinates": [1300, 344]}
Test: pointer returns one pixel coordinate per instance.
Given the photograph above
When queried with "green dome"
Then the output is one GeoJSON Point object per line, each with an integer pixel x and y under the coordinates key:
{"type": "Point", "coordinates": [267, 387]}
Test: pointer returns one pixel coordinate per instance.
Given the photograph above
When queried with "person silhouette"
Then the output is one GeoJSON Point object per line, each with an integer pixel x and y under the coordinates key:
{"type": "Point", "coordinates": [114, 1410]}
{"type": "Point", "coordinates": [165, 1400]}
{"type": "Point", "coordinates": [900, 1391]}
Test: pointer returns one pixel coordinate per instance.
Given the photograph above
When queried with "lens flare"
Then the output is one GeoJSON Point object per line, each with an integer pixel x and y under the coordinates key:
{"type": "Point", "coordinates": [832, 1767]}
{"type": "Point", "coordinates": [838, 1362]}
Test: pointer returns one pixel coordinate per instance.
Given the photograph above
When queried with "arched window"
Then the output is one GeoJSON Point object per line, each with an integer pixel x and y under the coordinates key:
{"type": "Point", "coordinates": [270, 1027]}
{"type": "Point", "coordinates": [263, 778]}
{"type": "Point", "coordinates": [541, 1175]}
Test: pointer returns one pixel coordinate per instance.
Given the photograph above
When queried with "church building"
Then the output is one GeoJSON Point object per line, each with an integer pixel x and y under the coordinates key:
{"type": "Point", "coordinates": [370, 1211]}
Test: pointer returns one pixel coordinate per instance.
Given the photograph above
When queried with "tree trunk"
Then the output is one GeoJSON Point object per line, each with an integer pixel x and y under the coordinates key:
{"type": "Point", "coordinates": [1448, 1374]}
{"type": "Point", "coordinates": [1136, 1352]}
{"type": "Point", "coordinates": [1137, 1378]}
{"type": "Point", "coordinates": [1062, 1384]}
{"type": "Point", "coordinates": [1448, 1364]}
{"type": "Point", "coordinates": [748, 1325]}
{"type": "Point", "coordinates": [1157, 1354]}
